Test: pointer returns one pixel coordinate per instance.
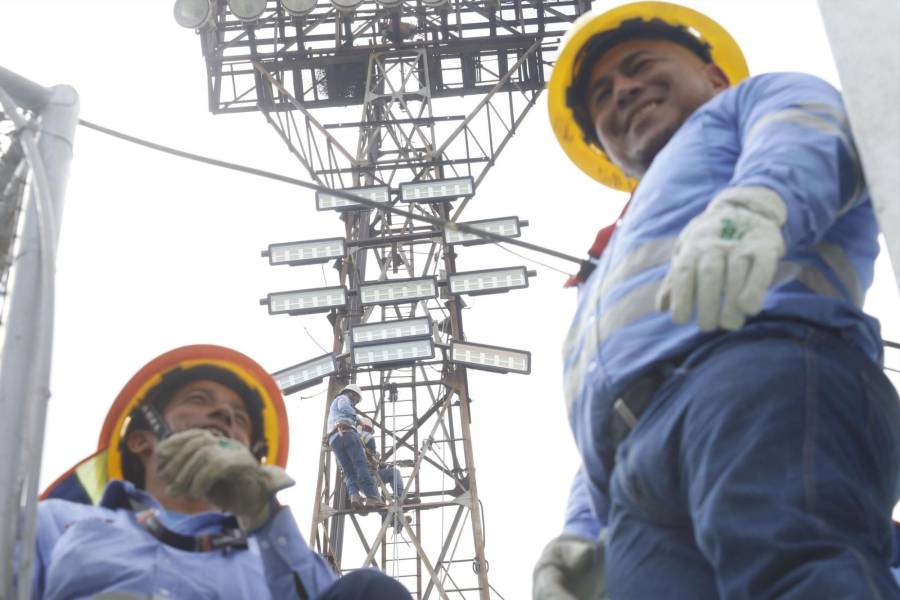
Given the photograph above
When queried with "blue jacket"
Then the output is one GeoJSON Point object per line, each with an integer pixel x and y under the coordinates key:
{"type": "Point", "coordinates": [83, 550]}
{"type": "Point", "coordinates": [341, 411]}
{"type": "Point", "coordinates": [784, 131]}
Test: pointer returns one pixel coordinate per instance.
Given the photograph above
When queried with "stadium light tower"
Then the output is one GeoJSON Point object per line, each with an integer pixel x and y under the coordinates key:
{"type": "Point", "coordinates": [441, 86]}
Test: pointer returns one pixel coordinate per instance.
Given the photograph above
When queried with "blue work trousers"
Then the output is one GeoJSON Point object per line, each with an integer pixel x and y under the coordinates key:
{"type": "Point", "coordinates": [765, 467]}
{"type": "Point", "coordinates": [365, 584]}
{"type": "Point", "coordinates": [391, 476]}
{"type": "Point", "coordinates": [348, 450]}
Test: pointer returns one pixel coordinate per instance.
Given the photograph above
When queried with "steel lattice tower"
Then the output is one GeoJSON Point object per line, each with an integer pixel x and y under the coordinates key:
{"type": "Point", "coordinates": [443, 86]}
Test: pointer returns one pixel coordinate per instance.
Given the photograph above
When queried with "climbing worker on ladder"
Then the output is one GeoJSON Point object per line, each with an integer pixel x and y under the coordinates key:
{"type": "Point", "coordinates": [348, 449]}
{"type": "Point", "coordinates": [179, 500]}
{"type": "Point", "coordinates": [738, 436]}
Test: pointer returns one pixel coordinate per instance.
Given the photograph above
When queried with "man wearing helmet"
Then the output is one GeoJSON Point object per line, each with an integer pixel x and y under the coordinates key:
{"type": "Point", "coordinates": [190, 458]}
{"type": "Point", "coordinates": [347, 447]}
{"type": "Point", "coordinates": [738, 436]}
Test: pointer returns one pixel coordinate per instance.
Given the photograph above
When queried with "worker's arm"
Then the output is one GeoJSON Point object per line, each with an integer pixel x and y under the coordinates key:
{"type": "Point", "coordinates": [292, 568]}
{"type": "Point", "coordinates": [199, 464]}
{"type": "Point", "coordinates": [796, 172]}
{"type": "Point", "coordinates": [571, 565]}
{"type": "Point", "coordinates": [795, 140]}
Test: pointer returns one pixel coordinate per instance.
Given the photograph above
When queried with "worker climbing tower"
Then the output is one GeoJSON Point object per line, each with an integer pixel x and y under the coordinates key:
{"type": "Point", "coordinates": [441, 86]}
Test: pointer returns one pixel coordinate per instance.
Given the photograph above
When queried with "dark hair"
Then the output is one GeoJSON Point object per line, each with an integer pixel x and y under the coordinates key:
{"type": "Point", "coordinates": [598, 45]}
{"type": "Point", "coordinates": [161, 394]}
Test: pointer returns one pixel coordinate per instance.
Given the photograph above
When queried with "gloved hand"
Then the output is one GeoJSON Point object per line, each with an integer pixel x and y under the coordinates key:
{"type": "Point", "coordinates": [570, 568]}
{"type": "Point", "coordinates": [223, 471]}
{"type": "Point", "coordinates": [725, 259]}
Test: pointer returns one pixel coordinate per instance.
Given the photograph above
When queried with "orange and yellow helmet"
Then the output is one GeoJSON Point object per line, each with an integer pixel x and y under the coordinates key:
{"type": "Point", "coordinates": [85, 481]}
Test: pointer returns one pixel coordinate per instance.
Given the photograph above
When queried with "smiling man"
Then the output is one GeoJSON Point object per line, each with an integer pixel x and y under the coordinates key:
{"type": "Point", "coordinates": [738, 437]}
{"type": "Point", "coordinates": [190, 458]}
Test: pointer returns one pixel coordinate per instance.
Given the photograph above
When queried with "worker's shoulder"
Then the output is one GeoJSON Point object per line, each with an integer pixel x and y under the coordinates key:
{"type": "Point", "coordinates": [67, 511]}
{"type": "Point", "coordinates": [789, 84]}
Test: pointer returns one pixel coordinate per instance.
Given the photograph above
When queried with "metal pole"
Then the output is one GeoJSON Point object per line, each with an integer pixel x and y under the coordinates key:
{"type": "Point", "coordinates": [865, 42]}
{"type": "Point", "coordinates": [25, 368]}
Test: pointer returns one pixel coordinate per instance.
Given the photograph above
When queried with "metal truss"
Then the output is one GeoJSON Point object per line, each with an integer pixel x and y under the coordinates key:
{"type": "Point", "coordinates": [441, 93]}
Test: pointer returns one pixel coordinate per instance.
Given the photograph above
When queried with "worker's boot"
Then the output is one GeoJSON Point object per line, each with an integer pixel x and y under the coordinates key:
{"type": "Point", "coordinates": [375, 503]}
{"type": "Point", "coordinates": [357, 503]}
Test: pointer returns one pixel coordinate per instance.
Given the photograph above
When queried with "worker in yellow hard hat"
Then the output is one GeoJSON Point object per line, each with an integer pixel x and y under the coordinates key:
{"type": "Point", "coordinates": [737, 435]}
{"type": "Point", "coordinates": [179, 499]}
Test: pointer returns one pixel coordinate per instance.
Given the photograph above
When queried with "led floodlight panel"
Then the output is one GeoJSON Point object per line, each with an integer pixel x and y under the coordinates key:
{"type": "Point", "coordinates": [300, 302]}
{"type": "Point", "coordinates": [490, 358]}
{"type": "Point", "coordinates": [305, 374]}
{"type": "Point", "coordinates": [398, 291]}
{"type": "Point", "coordinates": [397, 352]}
{"type": "Point", "coordinates": [490, 281]}
{"type": "Point", "coordinates": [306, 253]}
{"type": "Point", "coordinates": [378, 193]}
{"type": "Point", "coordinates": [402, 329]}
{"type": "Point", "coordinates": [506, 226]}
{"type": "Point", "coordinates": [437, 190]}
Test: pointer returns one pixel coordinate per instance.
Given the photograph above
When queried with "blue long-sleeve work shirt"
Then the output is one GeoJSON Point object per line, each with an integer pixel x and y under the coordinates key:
{"type": "Point", "coordinates": [341, 412]}
{"type": "Point", "coordinates": [84, 550]}
{"type": "Point", "coordinates": [783, 131]}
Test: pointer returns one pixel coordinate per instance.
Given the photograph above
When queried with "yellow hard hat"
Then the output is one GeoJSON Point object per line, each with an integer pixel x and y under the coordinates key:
{"type": "Point", "coordinates": [85, 481]}
{"type": "Point", "coordinates": [589, 157]}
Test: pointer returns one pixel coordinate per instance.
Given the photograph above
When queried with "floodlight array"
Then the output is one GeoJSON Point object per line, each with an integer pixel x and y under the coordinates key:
{"type": "Point", "coordinates": [402, 329]}
{"type": "Point", "coordinates": [394, 353]}
{"type": "Point", "coordinates": [305, 374]}
{"type": "Point", "coordinates": [306, 253]}
{"type": "Point", "coordinates": [489, 281]}
{"type": "Point", "coordinates": [490, 358]}
{"type": "Point", "coordinates": [398, 291]}
{"type": "Point", "coordinates": [437, 190]}
{"type": "Point", "coordinates": [378, 193]}
{"type": "Point", "coordinates": [506, 226]}
{"type": "Point", "coordinates": [298, 302]}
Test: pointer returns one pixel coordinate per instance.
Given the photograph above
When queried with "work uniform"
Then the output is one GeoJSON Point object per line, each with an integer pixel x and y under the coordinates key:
{"type": "Point", "coordinates": [765, 461]}
{"type": "Point", "coordinates": [347, 447]}
{"type": "Point", "coordinates": [84, 550]}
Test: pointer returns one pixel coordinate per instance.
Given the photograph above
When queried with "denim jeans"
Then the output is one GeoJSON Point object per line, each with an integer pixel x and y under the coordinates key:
{"type": "Point", "coordinates": [391, 476]}
{"type": "Point", "coordinates": [766, 467]}
{"type": "Point", "coordinates": [348, 450]}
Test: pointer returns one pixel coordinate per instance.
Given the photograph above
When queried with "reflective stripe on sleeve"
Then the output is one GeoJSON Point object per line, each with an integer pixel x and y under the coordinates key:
{"type": "Point", "coordinates": [826, 119]}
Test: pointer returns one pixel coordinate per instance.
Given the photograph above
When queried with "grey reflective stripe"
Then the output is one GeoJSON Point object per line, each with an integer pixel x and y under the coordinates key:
{"type": "Point", "coordinates": [837, 260]}
{"type": "Point", "coordinates": [835, 123]}
{"type": "Point", "coordinates": [589, 346]}
{"type": "Point", "coordinates": [648, 255]}
{"type": "Point", "coordinates": [636, 304]}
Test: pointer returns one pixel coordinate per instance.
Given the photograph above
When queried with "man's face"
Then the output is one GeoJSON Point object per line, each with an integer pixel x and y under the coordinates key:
{"type": "Point", "coordinates": [640, 93]}
{"type": "Point", "coordinates": [209, 405]}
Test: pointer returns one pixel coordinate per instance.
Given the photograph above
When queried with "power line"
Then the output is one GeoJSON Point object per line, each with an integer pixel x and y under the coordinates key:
{"type": "Point", "coordinates": [436, 221]}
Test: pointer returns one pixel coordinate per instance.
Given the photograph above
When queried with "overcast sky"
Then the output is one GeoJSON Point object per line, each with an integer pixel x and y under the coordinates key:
{"type": "Point", "coordinates": [156, 252]}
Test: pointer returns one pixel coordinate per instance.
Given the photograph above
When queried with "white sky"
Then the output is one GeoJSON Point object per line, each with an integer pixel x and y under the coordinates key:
{"type": "Point", "coordinates": [156, 252]}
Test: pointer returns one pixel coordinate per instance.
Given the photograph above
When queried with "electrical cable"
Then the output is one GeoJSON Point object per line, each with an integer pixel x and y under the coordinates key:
{"type": "Point", "coordinates": [537, 262]}
{"type": "Point", "coordinates": [322, 348]}
{"type": "Point", "coordinates": [436, 221]}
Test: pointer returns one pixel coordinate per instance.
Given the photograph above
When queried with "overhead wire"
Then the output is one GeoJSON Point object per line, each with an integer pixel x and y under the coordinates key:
{"type": "Point", "coordinates": [436, 221]}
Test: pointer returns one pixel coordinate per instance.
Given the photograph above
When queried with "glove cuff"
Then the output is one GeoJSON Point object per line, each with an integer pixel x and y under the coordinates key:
{"type": "Point", "coordinates": [757, 199]}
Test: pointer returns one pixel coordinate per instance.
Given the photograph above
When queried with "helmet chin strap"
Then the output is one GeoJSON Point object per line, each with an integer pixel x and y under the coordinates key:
{"type": "Point", "coordinates": [158, 425]}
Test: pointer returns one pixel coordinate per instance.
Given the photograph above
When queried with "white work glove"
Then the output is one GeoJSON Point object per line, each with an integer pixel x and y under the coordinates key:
{"type": "Point", "coordinates": [570, 568]}
{"type": "Point", "coordinates": [726, 259]}
{"type": "Point", "coordinates": [200, 464]}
